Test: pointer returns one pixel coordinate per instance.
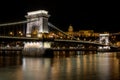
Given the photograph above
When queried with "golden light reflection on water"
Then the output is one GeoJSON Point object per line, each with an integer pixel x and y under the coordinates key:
{"type": "Point", "coordinates": [10, 61]}
{"type": "Point", "coordinates": [92, 66]}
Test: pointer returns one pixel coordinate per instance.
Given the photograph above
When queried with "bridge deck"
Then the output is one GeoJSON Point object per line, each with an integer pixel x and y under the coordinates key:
{"type": "Point", "coordinates": [68, 49]}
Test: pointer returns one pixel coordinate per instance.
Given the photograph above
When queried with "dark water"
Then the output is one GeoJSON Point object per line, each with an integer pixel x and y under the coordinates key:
{"type": "Point", "coordinates": [89, 66]}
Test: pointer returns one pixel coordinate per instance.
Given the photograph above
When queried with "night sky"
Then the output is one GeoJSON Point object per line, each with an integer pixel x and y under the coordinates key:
{"type": "Point", "coordinates": [99, 16]}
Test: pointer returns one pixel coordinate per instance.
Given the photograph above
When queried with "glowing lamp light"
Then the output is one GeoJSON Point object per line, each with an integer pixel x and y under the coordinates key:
{"type": "Point", "coordinates": [11, 33]}
{"type": "Point", "coordinates": [33, 45]}
{"type": "Point", "coordinates": [39, 35]}
{"type": "Point", "coordinates": [28, 35]}
{"type": "Point", "coordinates": [19, 32]}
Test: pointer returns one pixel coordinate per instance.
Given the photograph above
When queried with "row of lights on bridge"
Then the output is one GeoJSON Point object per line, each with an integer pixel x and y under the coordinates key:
{"type": "Point", "coordinates": [19, 33]}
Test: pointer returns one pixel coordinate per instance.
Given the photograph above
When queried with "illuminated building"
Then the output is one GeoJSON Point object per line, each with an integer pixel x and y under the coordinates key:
{"type": "Point", "coordinates": [81, 33]}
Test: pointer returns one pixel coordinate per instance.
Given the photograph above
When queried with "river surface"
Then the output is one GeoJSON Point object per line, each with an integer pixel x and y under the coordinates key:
{"type": "Point", "coordinates": [87, 66]}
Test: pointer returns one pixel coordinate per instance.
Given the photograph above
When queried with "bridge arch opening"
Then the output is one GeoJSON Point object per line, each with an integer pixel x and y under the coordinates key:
{"type": "Point", "coordinates": [34, 31]}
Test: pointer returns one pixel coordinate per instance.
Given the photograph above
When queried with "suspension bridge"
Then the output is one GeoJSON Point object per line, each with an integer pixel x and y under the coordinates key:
{"type": "Point", "coordinates": [36, 28]}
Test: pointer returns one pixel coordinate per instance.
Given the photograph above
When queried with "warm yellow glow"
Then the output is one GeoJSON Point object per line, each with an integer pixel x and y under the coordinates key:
{"type": "Point", "coordinates": [47, 44]}
{"type": "Point", "coordinates": [34, 32]}
{"type": "Point", "coordinates": [28, 35]}
{"type": "Point", "coordinates": [39, 35]}
{"type": "Point", "coordinates": [70, 29]}
{"type": "Point", "coordinates": [11, 33]}
{"type": "Point", "coordinates": [19, 32]}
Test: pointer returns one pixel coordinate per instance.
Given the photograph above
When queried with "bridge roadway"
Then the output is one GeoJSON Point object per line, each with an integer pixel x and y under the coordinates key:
{"type": "Point", "coordinates": [85, 49]}
{"type": "Point", "coordinates": [54, 40]}
{"type": "Point", "coordinates": [79, 41]}
{"type": "Point", "coordinates": [72, 49]}
{"type": "Point", "coordinates": [18, 38]}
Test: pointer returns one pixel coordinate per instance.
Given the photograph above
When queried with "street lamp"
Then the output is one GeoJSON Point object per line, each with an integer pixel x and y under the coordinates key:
{"type": "Point", "coordinates": [11, 33]}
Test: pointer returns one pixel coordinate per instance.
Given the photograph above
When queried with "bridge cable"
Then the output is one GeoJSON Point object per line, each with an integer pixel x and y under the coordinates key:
{"type": "Point", "coordinates": [15, 23]}
{"type": "Point", "coordinates": [51, 25]}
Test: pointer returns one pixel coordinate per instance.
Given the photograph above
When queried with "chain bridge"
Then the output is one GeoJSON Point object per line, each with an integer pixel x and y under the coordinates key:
{"type": "Point", "coordinates": [36, 29]}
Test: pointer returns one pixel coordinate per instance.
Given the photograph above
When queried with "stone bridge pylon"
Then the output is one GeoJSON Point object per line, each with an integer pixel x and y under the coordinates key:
{"type": "Point", "coordinates": [104, 39]}
{"type": "Point", "coordinates": [37, 23]}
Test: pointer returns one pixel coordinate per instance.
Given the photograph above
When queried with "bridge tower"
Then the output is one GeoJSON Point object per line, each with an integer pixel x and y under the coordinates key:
{"type": "Point", "coordinates": [104, 39]}
{"type": "Point", "coordinates": [37, 23]}
{"type": "Point", "coordinates": [37, 26]}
